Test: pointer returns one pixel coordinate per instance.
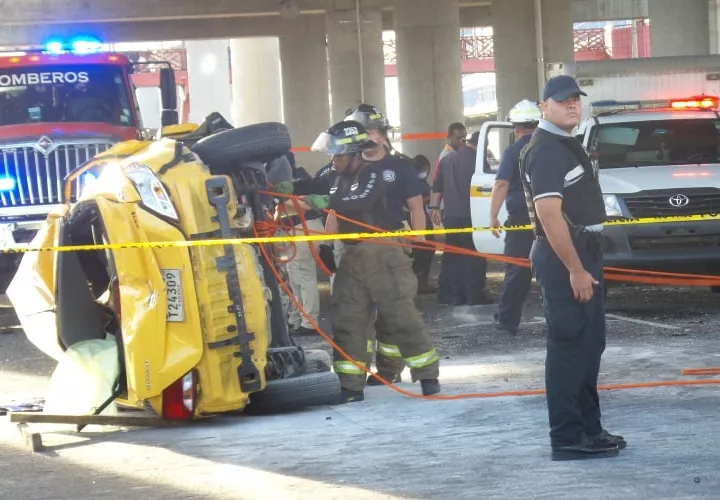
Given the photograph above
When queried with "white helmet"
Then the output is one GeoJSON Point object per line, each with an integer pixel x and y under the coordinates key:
{"type": "Point", "coordinates": [526, 111]}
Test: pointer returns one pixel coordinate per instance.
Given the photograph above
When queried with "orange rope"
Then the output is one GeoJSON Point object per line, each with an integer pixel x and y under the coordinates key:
{"type": "Point", "coordinates": [451, 397]}
{"type": "Point", "coordinates": [701, 371]}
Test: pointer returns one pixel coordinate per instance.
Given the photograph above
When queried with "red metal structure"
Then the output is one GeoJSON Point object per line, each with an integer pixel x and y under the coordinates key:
{"type": "Point", "coordinates": [590, 45]}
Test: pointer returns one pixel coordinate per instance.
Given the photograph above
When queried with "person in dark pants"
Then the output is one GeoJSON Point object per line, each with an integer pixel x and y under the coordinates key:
{"type": "Point", "coordinates": [422, 257]}
{"type": "Point", "coordinates": [525, 116]}
{"type": "Point", "coordinates": [465, 274]}
{"type": "Point", "coordinates": [567, 212]}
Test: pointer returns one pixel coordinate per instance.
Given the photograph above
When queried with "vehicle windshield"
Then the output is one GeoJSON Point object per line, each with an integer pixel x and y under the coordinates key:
{"type": "Point", "coordinates": [658, 142]}
{"type": "Point", "coordinates": [76, 93]}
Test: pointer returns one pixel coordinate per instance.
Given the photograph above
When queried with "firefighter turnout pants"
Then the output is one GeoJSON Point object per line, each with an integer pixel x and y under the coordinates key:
{"type": "Point", "coordinates": [379, 277]}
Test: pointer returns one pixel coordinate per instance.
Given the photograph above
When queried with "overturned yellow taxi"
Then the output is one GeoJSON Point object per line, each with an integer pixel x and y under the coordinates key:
{"type": "Point", "coordinates": [199, 330]}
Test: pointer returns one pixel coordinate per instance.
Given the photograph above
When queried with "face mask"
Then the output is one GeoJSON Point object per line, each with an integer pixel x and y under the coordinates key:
{"type": "Point", "coordinates": [422, 175]}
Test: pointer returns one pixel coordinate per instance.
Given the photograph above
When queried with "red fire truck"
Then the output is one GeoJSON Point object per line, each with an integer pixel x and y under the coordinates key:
{"type": "Point", "coordinates": [59, 106]}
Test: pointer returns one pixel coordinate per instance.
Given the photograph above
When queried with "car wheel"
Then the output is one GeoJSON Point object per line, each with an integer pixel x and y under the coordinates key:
{"type": "Point", "coordinates": [296, 393]}
{"type": "Point", "coordinates": [226, 150]}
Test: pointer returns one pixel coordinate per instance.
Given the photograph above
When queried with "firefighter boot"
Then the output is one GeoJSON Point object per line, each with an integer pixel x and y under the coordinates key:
{"type": "Point", "coordinates": [430, 387]}
{"type": "Point", "coordinates": [349, 396]}
{"type": "Point", "coordinates": [393, 379]}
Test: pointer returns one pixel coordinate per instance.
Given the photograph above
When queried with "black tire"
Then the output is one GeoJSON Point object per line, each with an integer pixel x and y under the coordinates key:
{"type": "Point", "coordinates": [261, 142]}
{"type": "Point", "coordinates": [296, 393]}
{"type": "Point", "coordinates": [9, 264]}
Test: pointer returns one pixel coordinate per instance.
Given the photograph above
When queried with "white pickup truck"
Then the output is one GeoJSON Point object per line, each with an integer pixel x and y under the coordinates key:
{"type": "Point", "coordinates": [656, 158]}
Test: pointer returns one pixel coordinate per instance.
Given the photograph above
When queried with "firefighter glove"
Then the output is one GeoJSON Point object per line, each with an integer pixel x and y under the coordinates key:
{"type": "Point", "coordinates": [284, 187]}
{"type": "Point", "coordinates": [317, 201]}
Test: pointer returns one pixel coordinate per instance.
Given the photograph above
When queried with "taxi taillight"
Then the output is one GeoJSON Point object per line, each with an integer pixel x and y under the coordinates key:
{"type": "Point", "coordinates": [180, 398]}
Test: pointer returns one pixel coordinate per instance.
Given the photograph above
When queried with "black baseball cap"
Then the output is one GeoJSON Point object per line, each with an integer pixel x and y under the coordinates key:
{"type": "Point", "coordinates": [559, 88]}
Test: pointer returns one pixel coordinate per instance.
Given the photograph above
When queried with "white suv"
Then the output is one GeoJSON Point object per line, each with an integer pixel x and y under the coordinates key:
{"type": "Point", "coordinates": [654, 160]}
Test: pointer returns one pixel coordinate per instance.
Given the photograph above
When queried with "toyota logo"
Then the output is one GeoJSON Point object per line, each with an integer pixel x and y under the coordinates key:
{"type": "Point", "coordinates": [679, 200]}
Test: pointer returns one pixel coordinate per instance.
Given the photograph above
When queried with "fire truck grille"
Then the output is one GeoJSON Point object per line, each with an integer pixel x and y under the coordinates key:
{"type": "Point", "coordinates": [30, 177]}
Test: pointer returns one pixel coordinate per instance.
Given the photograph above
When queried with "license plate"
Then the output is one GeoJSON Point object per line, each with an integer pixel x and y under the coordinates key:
{"type": "Point", "coordinates": [175, 311]}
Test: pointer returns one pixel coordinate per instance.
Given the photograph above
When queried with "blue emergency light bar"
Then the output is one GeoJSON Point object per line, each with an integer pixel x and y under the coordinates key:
{"type": "Point", "coordinates": [702, 102]}
{"type": "Point", "coordinates": [6, 184]}
{"type": "Point", "coordinates": [78, 45]}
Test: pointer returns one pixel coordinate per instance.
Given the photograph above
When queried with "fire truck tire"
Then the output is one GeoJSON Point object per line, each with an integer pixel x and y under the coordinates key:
{"type": "Point", "coordinates": [296, 393]}
{"type": "Point", "coordinates": [258, 142]}
{"type": "Point", "coordinates": [9, 264]}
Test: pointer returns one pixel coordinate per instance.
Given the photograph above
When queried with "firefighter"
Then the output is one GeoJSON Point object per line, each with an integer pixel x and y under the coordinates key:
{"type": "Point", "coordinates": [404, 191]}
{"type": "Point", "coordinates": [371, 277]}
{"type": "Point", "coordinates": [525, 116]}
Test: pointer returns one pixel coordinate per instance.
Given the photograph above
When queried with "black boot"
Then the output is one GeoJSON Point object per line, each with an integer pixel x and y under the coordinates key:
{"type": "Point", "coordinates": [585, 449]}
{"type": "Point", "coordinates": [348, 396]}
{"type": "Point", "coordinates": [607, 438]}
{"type": "Point", "coordinates": [393, 379]}
{"type": "Point", "coordinates": [430, 387]}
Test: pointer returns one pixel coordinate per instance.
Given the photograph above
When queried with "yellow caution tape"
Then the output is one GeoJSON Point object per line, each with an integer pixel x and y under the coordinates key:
{"type": "Point", "coordinates": [326, 236]}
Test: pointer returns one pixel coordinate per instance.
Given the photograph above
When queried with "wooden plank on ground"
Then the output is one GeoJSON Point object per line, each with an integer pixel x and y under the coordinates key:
{"type": "Point", "coordinates": [121, 420]}
{"type": "Point", "coordinates": [32, 441]}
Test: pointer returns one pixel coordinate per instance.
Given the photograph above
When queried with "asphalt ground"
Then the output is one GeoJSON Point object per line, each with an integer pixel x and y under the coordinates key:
{"type": "Point", "coordinates": [394, 446]}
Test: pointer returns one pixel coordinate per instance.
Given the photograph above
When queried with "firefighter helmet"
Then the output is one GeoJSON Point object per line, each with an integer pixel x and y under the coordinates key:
{"type": "Point", "coordinates": [369, 116]}
{"type": "Point", "coordinates": [343, 138]}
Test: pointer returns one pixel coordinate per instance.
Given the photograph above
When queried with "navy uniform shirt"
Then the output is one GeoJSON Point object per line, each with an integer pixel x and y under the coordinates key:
{"type": "Point", "coordinates": [401, 183]}
{"type": "Point", "coordinates": [360, 197]}
{"type": "Point", "coordinates": [558, 166]}
{"type": "Point", "coordinates": [509, 170]}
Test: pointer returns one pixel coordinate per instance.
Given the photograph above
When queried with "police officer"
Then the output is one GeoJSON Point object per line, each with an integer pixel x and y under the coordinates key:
{"type": "Point", "coordinates": [403, 191]}
{"type": "Point", "coordinates": [525, 116]}
{"type": "Point", "coordinates": [371, 277]}
{"type": "Point", "coordinates": [567, 212]}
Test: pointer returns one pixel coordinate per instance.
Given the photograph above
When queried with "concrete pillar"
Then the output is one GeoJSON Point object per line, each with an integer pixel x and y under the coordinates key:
{"type": "Point", "coordinates": [714, 26]}
{"type": "Point", "coordinates": [429, 65]}
{"type": "Point", "coordinates": [306, 101]}
{"type": "Point", "coordinates": [208, 79]}
{"type": "Point", "coordinates": [346, 52]}
{"type": "Point", "coordinates": [558, 39]}
{"type": "Point", "coordinates": [528, 34]}
{"type": "Point", "coordinates": [679, 28]}
{"type": "Point", "coordinates": [256, 88]}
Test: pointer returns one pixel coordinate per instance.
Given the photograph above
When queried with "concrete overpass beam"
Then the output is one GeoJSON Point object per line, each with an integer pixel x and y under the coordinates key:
{"type": "Point", "coordinates": [347, 55]}
{"type": "Point", "coordinates": [427, 37]}
{"type": "Point", "coordinates": [256, 81]}
{"type": "Point", "coordinates": [306, 103]}
{"type": "Point", "coordinates": [679, 31]}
